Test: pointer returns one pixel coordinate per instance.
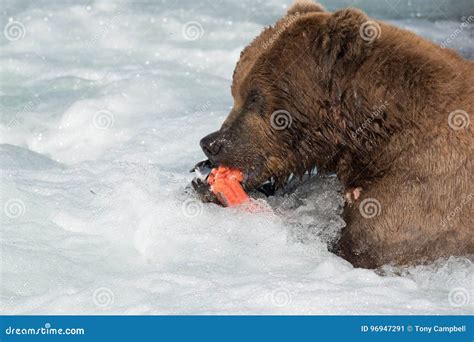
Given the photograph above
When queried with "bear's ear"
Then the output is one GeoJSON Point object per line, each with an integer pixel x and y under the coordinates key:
{"type": "Point", "coordinates": [350, 35]}
{"type": "Point", "coordinates": [305, 6]}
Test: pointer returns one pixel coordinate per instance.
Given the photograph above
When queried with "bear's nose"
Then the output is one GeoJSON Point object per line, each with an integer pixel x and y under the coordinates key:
{"type": "Point", "coordinates": [211, 144]}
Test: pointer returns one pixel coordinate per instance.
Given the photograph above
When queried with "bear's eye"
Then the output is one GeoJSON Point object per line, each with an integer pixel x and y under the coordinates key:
{"type": "Point", "coordinates": [253, 98]}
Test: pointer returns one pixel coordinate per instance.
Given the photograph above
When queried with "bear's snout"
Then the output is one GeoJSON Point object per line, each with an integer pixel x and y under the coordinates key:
{"type": "Point", "coordinates": [212, 145]}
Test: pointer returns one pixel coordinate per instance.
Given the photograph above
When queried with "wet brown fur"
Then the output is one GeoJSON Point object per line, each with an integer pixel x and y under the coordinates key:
{"type": "Point", "coordinates": [376, 113]}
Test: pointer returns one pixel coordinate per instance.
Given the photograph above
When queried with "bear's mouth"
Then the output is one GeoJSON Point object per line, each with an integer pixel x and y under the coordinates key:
{"type": "Point", "coordinates": [253, 180]}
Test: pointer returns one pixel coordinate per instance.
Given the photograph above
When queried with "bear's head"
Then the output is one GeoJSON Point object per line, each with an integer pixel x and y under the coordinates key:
{"type": "Point", "coordinates": [285, 115]}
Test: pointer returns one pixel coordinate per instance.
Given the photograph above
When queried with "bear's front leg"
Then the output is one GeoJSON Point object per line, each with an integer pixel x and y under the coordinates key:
{"type": "Point", "coordinates": [393, 221]}
{"type": "Point", "coordinates": [384, 224]}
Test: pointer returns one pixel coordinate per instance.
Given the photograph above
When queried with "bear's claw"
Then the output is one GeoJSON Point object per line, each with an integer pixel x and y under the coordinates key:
{"type": "Point", "coordinates": [203, 190]}
{"type": "Point", "coordinates": [352, 194]}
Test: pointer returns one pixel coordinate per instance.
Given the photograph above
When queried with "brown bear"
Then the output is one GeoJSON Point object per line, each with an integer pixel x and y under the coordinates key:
{"type": "Point", "coordinates": [383, 108]}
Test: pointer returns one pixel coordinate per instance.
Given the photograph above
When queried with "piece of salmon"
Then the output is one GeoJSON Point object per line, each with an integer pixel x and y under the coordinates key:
{"type": "Point", "coordinates": [226, 184]}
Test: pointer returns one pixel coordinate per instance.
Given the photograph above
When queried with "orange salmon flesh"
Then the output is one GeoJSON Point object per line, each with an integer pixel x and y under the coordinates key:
{"type": "Point", "coordinates": [226, 185]}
